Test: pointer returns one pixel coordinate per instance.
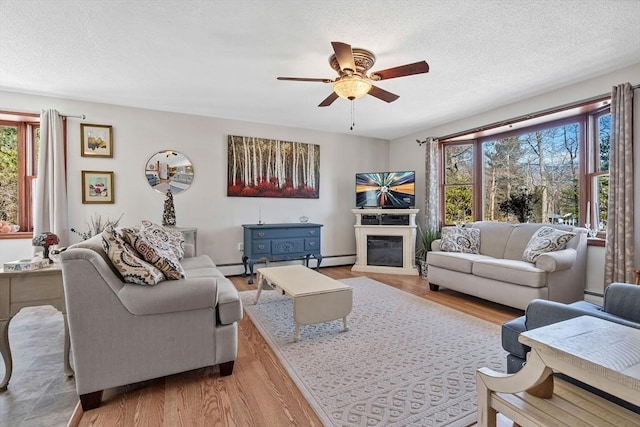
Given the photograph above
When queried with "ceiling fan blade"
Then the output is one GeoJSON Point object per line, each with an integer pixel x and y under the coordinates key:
{"type": "Point", "coordinates": [383, 94]}
{"type": "Point", "coordinates": [329, 100]}
{"type": "Point", "coordinates": [401, 71]}
{"type": "Point", "coordinates": [304, 79]}
{"type": "Point", "coordinates": [344, 55]}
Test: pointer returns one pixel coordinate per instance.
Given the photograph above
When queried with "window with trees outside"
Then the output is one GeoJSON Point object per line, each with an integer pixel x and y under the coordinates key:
{"type": "Point", "coordinates": [19, 141]}
{"type": "Point", "coordinates": [554, 172]}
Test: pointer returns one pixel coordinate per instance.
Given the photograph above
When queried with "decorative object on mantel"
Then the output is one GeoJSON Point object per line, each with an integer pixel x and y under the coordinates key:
{"type": "Point", "coordinates": [260, 167]}
{"type": "Point", "coordinates": [97, 140]}
{"type": "Point", "coordinates": [169, 213]}
{"type": "Point", "coordinates": [304, 219]}
{"type": "Point", "coordinates": [46, 240]}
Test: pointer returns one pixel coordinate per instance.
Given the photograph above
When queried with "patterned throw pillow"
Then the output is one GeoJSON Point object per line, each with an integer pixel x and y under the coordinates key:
{"type": "Point", "coordinates": [126, 261]}
{"type": "Point", "coordinates": [156, 246]}
{"type": "Point", "coordinates": [460, 239]}
{"type": "Point", "coordinates": [546, 239]}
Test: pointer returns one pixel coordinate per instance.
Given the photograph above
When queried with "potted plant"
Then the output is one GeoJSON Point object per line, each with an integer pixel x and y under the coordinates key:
{"type": "Point", "coordinates": [427, 236]}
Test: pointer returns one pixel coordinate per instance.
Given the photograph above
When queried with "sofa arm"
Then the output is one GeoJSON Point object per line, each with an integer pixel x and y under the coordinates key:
{"type": "Point", "coordinates": [541, 313]}
{"type": "Point", "coordinates": [623, 299]}
{"type": "Point", "coordinates": [559, 260]}
{"type": "Point", "coordinates": [229, 303]}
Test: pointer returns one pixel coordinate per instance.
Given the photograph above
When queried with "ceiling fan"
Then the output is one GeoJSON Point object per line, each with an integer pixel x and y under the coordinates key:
{"type": "Point", "coordinates": [353, 82]}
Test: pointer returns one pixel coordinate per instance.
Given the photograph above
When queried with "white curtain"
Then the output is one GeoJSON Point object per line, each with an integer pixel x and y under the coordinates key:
{"type": "Point", "coordinates": [50, 200]}
{"type": "Point", "coordinates": [431, 204]}
{"type": "Point", "coordinates": [620, 214]}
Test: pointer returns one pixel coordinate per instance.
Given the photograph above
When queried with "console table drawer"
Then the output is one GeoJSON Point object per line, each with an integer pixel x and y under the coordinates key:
{"type": "Point", "coordinates": [275, 233]}
{"type": "Point", "coordinates": [261, 247]}
{"type": "Point", "coordinates": [287, 246]}
{"type": "Point", "coordinates": [312, 244]}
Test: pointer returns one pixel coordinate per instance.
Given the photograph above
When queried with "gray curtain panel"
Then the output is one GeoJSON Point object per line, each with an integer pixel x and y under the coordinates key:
{"type": "Point", "coordinates": [432, 161]}
{"type": "Point", "coordinates": [620, 225]}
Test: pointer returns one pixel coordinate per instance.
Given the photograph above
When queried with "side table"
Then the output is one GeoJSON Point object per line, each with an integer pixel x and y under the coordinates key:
{"type": "Point", "coordinates": [19, 289]}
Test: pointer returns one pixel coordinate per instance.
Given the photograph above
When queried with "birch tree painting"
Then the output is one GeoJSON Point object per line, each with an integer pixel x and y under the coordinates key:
{"type": "Point", "coordinates": [259, 167]}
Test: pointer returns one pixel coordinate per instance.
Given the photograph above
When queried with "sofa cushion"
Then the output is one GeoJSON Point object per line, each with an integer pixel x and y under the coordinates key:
{"type": "Point", "coordinates": [125, 259]}
{"type": "Point", "coordinates": [171, 297]}
{"type": "Point", "coordinates": [156, 247]}
{"type": "Point", "coordinates": [460, 239]}
{"type": "Point", "coordinates": [456, 261]}
{"type": "Point", "coordinates": [546, 239]}
{"type": "Point", "coordinates": [510, 271]}
{"type": "Point", "coordinates": [494, 237]}
{"type": "Point", "coordinates": [191, 263]}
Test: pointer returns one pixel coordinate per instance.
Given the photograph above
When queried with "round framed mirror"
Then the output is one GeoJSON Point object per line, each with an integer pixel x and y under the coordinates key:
{"type": "Point", "coordinates": [169, 170]}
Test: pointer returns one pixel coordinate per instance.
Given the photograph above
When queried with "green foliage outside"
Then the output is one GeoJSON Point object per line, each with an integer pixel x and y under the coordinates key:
{"type": "Point", "coordinates": [458, 202]}
{"type": "Point", "coordinates": [9, 174]}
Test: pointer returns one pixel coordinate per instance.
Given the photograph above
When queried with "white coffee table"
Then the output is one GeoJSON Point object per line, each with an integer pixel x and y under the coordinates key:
{"type": "Point", "coordinates": [316, 297]}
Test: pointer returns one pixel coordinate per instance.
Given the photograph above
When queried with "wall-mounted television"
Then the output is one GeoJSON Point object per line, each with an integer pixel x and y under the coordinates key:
{"type": "Point", "coordinates": [386, 189]}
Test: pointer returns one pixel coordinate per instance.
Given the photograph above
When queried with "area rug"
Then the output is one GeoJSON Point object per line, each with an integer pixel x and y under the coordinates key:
{"type": "Point", "coordinates": [405, 361]}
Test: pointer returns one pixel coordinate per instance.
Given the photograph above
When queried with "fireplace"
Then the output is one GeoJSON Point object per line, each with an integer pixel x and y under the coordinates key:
{"type": "Point", "coordinates": [384, 251]}
{"type": "Point", "coordinates": [386, 246]}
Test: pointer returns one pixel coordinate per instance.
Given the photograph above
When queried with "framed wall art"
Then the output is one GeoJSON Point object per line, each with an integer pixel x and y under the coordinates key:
{"type": "Point", "coordinates": [260, 167]}
{"type": "Point", "coordinates": [97, 187]}
{"type": "Point", "coordinates": [96, 140]}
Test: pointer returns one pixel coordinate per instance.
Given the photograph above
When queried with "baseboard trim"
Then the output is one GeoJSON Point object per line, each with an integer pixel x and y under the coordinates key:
{"type": "Point", "coordinates": [327, 261]}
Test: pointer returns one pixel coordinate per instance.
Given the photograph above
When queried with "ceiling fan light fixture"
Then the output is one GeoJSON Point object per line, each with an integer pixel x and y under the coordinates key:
{"type": "Point", "coordinates": [351, 87]}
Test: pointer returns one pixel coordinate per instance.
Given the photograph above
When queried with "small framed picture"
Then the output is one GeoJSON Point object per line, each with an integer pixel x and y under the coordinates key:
{"type": "Point", "coordinates": [96, 140]}
{"type": "Point", "coordinates": [97, 187]}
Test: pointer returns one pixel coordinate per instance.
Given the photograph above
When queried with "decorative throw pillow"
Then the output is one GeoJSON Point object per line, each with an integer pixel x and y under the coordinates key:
{"type": "Point", "coordinates": [546, 239]}
{"type": "Point", "coordinates": [154, 245]}
{"type": "Point", "coordinates": [460, 239]}
{"type": "Point", "coordinates": [126, 261]}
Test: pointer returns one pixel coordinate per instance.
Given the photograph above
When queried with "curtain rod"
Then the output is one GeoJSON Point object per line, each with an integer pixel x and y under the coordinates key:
{"type": "Point", "coordinates": [528, 116]}
{"type": "Point", "coordinates": [77, 116]}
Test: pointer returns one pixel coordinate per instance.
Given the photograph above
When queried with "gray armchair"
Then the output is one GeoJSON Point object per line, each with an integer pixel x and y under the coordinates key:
{"type": "Point", "coordinates": [621, 305]}
{"type": "Point", "coordinates": [123, 333]}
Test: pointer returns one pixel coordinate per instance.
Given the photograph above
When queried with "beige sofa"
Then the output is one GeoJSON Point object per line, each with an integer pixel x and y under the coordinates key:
{"type": "Point", "coordinates": [497, 273]}
{"type": "Point", "coordinates": [122, 333]}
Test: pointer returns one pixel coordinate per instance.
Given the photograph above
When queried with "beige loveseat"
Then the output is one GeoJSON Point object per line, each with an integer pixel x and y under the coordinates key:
{"type": "Point", "coordinates": [497, 273]}
{"type": "Point", "coordinates": [122, 333]}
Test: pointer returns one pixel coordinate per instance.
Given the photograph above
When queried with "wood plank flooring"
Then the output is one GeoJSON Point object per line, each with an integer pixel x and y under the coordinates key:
{"type": "Point", "coordinates": [260, 392]}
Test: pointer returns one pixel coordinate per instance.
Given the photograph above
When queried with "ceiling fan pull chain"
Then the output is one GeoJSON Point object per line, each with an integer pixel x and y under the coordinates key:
{"type": "Point", "coordinates": [353, 114]}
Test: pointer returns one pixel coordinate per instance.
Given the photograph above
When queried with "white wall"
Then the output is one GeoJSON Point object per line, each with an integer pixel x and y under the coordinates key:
{"type": "Point", "coordinates": [139, 133]}
{"type": "Point", "coordinates": [404, 153]}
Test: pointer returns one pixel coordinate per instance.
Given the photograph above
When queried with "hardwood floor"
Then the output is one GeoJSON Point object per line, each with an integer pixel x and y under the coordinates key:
{"type": "Point", "coordinates": [260, 392]}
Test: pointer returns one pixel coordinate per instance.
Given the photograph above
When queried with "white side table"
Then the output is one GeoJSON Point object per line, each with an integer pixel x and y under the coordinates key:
{"type": "Point", "coordinates": [190, 236]}
{"type": "Point", "coordinates": [19, 289]}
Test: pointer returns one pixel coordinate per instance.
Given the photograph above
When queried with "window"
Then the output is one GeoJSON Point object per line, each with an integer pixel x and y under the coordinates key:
{"type": "Point", "coordinates": [598, 170]}
{"type": "Point", "coordinates": [458, 182]}
{"type": "Point", "coordinates": [558, 168]}
{"type": "Point", "coordinates": [19, 142]}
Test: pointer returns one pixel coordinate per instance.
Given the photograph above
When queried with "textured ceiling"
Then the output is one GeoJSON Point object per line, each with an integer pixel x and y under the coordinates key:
{"type": "Point", "coordinates": [221, 58]}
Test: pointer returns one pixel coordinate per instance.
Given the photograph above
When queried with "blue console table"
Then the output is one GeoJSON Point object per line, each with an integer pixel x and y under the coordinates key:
{"type": "Point", "coordinates": [280, 242]}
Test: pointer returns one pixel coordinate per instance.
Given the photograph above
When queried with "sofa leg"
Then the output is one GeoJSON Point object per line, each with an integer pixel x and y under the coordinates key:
{"type": "Point", "coordinates": [433, 287]}
{"type": "Point", "coordinates": [91, 400]}
{"type": "Point", "coordinates": [226, 368]}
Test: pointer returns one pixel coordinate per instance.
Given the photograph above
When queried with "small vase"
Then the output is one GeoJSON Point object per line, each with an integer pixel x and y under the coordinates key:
{"type": "Point", "coordinates": [45, 254]}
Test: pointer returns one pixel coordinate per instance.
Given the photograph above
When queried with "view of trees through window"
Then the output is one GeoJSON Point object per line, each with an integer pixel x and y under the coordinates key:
{"type": "Point", "coordinates": [537, 174]}
{"type": "Point", "coordinates": [9, 174]}
{"type": "Point", "coordinates": [19, 142]}
{"type": "Point", "coordinates": [543, 164]}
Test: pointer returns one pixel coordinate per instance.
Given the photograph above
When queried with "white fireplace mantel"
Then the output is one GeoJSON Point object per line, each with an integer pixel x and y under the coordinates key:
{"type": "Point", "coordinates": [408, 233]}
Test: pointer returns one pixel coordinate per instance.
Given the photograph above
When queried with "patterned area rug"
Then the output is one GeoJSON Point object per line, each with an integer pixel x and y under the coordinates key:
{"type": "Point", "coordinates": [405, 361]}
